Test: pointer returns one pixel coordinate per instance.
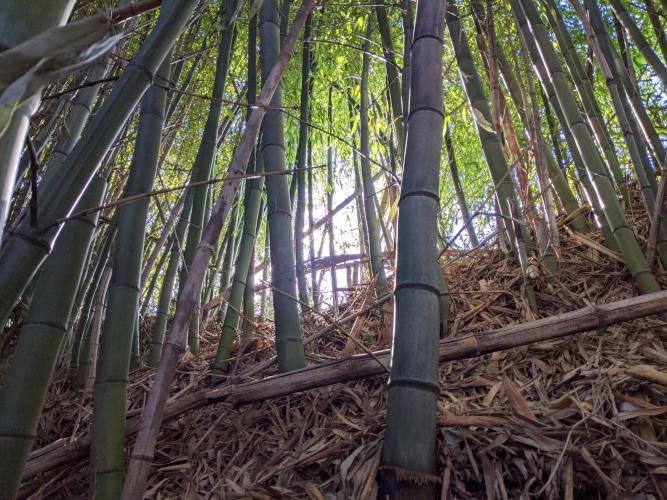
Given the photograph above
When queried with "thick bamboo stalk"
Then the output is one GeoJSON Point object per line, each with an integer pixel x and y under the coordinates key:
{"type": "Point", "coordinates": [408, 457]}
{"type": "Point", "coordinates": [27, 380]}
{"type": "Point", "coordinates": [24, 252]}
{"type": "Point", "coordinates": [373, 230]}
{"type": "Point", "coordinates": [279, 212]}
{"type": "Point", "coordinates": [467, 346]}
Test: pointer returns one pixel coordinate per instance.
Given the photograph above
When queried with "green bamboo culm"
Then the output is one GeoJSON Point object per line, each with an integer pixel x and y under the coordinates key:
{"type": "Point", "coordinates": [586, 94]}
{"type": "Point", "coordinates": [460, 195]}
{"type": "Point", "coordinates": [164, 301]}
{"type": "Point", "coordinates": [311, 229]}
{"type": "Point", "coordinates": [623, 81]}
{"type": "Point", "coordinates": [19, 22]}
{"type": "Point", "coordinates": [86, 317]}
{"type": "Point", "coordinates": [639, 40]}
{"type": "Point", "coordinates": [654, 18]}
{"type": "Point", "coordinates": [289, 343]}
{"type": "Point", "coordinates": [27, 380]}
{"type": "Point", "coordinates": [393, 78]}
{"type": "Point", "coordinates": [231, 323]}
{"type": "Point", "coordinates": [622, 231]}
{"type": "Point", "coordinates": [205, 160]}
{"type": "Point", "coordinates": [408, 466]}
{"type": "Point", "coordinates": [228, 260]}
{"type": "Point", "coordinates": [372, 225]}
{"type": "Point", "coordinates": [408, 28]}
{"type": "Point", "coordinates": [299, 219]}
{"type": "Point", "coordinates": [107, 454]}
{"type": "Point", "coordinates": [491, 145]}
{"type": "Point", "coordinates": [330, 191]}
{"type": "Point", "coordinates": [573, 146]}
{"type": "Point", "coordinates": [248, 324]}
{"type": "Point", "coordinates": [23, 253]}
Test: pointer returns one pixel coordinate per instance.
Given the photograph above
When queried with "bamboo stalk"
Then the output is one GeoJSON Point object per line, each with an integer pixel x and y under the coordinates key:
{"type": "Point", "coordinates": [205, 160]}
{"type": "Point", "coordinates": [278, 204]}
{"type": "Point", "coordinates": [377, 264]}
{"type": "Point", "coordinates": [409, 446]}
{"type": "Point", "coordinates": [299, 220]}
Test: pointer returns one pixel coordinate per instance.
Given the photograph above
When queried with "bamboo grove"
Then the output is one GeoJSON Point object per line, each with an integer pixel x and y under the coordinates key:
{"type": "Point", "coordinates": [179, 167]}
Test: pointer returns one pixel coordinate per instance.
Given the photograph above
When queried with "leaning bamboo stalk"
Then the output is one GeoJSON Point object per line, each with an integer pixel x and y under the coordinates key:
{"type": "Point", "coordinates": [44, 330]}
{"type": "Point", "coordinates": [550, 95]}
{"type": "Point", "coordinates": [18, 23]}
{"type": "Point", "coordinates": [586, 93]}
{"type": "Point", "coordinates": [624, 81]}
{"type": "Point", "coordinates": [467, 346]}
{"type": "Point", "coordinates": [144, 447]}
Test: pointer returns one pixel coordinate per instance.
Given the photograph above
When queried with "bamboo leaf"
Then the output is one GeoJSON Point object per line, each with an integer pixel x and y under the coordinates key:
{"type": "Point", "coordinates": [254, 8]}
{"type": "Point", "coordinates": [48, 57]}
{"type": "Point", "coordinates": [481, 121]}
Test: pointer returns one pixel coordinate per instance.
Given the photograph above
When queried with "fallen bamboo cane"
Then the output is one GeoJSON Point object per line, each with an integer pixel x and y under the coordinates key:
{"type": "Point", "coordinates": [343, 370]}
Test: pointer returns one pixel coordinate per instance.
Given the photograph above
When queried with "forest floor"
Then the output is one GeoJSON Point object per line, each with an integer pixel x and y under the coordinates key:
{"type": "Point", "coordinates": [567, 420]}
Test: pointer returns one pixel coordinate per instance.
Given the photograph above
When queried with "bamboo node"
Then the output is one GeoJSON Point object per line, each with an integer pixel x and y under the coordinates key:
{"type": "Point", "coordinates": [412, 476]}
